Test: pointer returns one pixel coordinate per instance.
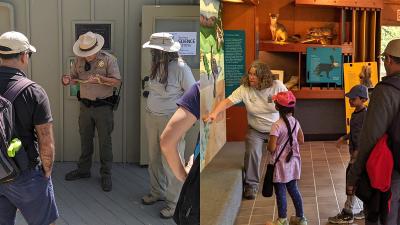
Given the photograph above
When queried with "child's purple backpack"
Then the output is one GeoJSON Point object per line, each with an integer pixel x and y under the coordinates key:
{"type": "Point", "coordinates": [9, 169]}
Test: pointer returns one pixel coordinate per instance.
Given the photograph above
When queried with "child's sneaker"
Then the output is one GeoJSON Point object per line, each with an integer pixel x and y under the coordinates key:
{"type": "Point", "coordinates": [360, 215]}
{"type": "Point", "coordinates": [280, 221]}
{"type": "Point", "coordinates": [297, 220]}
{"type": "Point", "coordinates": [342, 218]}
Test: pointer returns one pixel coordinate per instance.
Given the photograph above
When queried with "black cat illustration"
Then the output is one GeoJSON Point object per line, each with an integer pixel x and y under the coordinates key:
{"type": "Point", "coordinates": [326, 67]}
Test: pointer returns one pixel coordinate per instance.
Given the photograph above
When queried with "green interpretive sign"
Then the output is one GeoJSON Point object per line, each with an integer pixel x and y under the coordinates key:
{"type": "Point", "coordinates": [235, 59]}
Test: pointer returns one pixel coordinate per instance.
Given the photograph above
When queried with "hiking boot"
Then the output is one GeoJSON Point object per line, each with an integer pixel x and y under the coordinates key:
{"type": "Point", "coordinates": [150, 199]}
{"type": "Point", "coordinates": [75, 175]}
{"type": "Point", "coordinates": [294, 220]}
{"type": "Point", "coordinates": [360, 215]}
{"type": "Point", "coordinates": [280, 221]}
{"type": "Point", "coordinates": [342, 218]}
{"type": "Point", "coordinates": [250, 193]}
{"type": "Point", "coordinates": [106, 183]}
{"type": "Point", "coordinates": [167, 212]}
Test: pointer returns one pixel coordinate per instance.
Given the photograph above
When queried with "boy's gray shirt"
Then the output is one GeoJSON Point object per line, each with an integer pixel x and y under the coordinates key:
{"type": "Point", "coordinates": [356, 123]}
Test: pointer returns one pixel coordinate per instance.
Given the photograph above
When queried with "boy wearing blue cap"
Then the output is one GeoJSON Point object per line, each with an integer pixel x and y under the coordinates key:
{"type": "Point", "coordinates": [358, 96]}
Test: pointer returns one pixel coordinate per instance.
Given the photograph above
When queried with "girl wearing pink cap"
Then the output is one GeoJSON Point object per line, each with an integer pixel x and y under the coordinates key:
{"type": "Point", "coordinates": [288, 168]}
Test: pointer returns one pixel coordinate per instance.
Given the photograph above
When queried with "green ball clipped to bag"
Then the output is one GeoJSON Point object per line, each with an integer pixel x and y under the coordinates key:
{"type": "Point", "coordinates": [14, 147]}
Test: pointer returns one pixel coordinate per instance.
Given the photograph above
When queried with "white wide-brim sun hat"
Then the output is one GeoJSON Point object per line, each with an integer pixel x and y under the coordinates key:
{"type": "Point", "coordinates": [163, 41]}
{"type": "Point", "coordinates": [88, 44]}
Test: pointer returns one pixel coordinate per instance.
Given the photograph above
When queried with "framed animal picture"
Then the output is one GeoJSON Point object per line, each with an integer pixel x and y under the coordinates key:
{"type": "Point", "coordinates": [279, 74]}
{"type": "Point", "coordinates": [365, 73]}
{"type": "Point", "coordinates": [324, 65]}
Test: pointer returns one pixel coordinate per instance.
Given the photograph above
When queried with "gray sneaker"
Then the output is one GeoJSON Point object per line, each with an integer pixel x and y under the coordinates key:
{"type": "Point", "coordinates": [167, 212]}
{"type": "Point", "coordinates": [150, 199]}
{"type": "Point", "coordinates": [250, 193]}
{"type": "Point", "coordinates": [297, 220]}
{"type": "Point", "coordinates": [360, 215]}
{"type": "Point", "coordinates": [342, 218]}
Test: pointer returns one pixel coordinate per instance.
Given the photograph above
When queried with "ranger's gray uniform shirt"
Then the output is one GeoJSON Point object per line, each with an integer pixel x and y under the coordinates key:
{"type": "Point", "coordinates": [105, 65]}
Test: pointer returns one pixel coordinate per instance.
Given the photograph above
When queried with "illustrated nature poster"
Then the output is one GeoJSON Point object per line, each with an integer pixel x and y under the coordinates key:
{"type": "Point", "coordinates": [365, 73]}
{"type": "Point", "coordinates": [212, 84]}
{"type": "Point", "coordinates": [324, 65]}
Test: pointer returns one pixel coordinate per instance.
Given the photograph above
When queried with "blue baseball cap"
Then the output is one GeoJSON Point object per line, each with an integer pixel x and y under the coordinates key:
{"type": "Point", "coordinates": [358, 91]}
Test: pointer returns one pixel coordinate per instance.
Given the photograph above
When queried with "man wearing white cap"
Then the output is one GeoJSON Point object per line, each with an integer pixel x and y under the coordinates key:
{"type": "Point", "coordinates": [32, 190]}
{"type": "Point", "coordinates": [170, 78]}
{"type": "Point", "coordinates": [98, 74]}
{"type": "Point", "coordinates": [383, 117]}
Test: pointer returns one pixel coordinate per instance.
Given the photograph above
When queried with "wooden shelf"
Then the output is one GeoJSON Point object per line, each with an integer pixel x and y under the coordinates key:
{"type": "Point", "coordinates": [343, 3]}
{"type": "Point", "coordinates": [318, 93]}
{"type": "Point", "coordinates": [271, 46]}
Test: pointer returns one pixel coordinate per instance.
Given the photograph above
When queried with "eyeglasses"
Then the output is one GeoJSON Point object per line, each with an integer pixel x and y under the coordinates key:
{"type": "Point", "coordinates": [383, 57]}
{"type": "Point", "coordinates": [87, 66]}
{"type": "Point", "coordinates": [29, 53]}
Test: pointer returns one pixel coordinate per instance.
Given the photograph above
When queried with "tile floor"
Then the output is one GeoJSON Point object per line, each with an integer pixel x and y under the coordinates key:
{"type": "Point", "coordinates": [322, 186]}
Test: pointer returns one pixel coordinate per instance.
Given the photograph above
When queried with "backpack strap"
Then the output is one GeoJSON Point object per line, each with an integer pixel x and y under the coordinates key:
{"type": "Point", "coordinates": [284, 146]}
{"type": "Point", "coordinates": [16, 88]}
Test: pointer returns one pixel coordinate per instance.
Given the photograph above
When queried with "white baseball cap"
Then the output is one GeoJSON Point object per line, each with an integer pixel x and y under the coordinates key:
{"type": "Point", "coordinates": [16, 42]}
{"type": "Point", "coordinates": [393, 48]}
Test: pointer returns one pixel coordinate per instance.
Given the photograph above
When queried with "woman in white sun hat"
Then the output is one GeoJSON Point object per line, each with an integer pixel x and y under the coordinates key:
{"type": "Point", "coordinates": [170, 77]}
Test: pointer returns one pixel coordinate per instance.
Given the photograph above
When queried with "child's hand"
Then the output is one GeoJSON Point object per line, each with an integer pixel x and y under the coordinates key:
{"type": "Point", "coordinates": [350, 190]}
{"type": "Point", "coordinates": [340, 142]}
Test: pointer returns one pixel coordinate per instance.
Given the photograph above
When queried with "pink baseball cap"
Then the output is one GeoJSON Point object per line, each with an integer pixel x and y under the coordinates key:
{"type": "Point", "coordinates": [285, 98]}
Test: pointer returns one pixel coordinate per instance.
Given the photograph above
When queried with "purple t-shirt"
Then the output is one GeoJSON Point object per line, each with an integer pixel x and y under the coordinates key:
{"type": "Point", "coordinates": [191, 100]}
{"type": "Point", "coordinates": [286, 171]}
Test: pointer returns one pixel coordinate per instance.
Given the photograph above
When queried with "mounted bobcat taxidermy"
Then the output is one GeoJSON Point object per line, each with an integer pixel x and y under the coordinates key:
{"type": "Point", "coordinates": [278, 31]}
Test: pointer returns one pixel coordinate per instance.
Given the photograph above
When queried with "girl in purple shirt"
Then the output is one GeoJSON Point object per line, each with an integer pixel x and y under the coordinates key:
{"type": "Point", "coordinates": [288, 168]}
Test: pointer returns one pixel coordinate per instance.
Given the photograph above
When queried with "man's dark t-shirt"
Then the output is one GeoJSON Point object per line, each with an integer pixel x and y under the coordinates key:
{"type": "Point", "coordinates": [31, 107]}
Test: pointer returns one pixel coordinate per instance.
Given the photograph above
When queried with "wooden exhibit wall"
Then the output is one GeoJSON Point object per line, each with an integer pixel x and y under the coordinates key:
{"type": "Point", "coordinates": [239, 17]}
{"type": "Point", "coordinates": [297, 19]}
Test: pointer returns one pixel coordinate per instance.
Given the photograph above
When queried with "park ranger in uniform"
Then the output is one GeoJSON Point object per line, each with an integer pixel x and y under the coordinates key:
{"type": "Point", "coordinates": [97, 73]}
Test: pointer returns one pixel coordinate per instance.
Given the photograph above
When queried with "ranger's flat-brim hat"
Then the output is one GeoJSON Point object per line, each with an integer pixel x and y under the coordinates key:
{"type": "Point", "coordinates": [88, 44]}
{"type": "Point", "coordinates": [163, 41]}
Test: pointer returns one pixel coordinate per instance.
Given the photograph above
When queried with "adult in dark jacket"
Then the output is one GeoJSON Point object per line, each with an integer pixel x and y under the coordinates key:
{"type": "Point", "coordinates": [382, 117]}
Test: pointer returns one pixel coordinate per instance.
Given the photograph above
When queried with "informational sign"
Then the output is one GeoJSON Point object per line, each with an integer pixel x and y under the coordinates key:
{"type": "Point", "coordinates": [365, 73]}
{"type": "Point", "coordinates": [235, 61]}
{"type": "Point", "coordinates": [104, 29]}
{"type": "Point", "coordinates": [324, 65]}
{"type": "Point", "coordinates": [188, 41]}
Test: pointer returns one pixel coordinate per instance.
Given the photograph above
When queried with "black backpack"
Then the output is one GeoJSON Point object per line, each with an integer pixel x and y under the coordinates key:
{"type": "Point", "coordinates": [187, 210]}
{"type": "Point", "coordinates": [8, 166]}
{"type": "Point", "coordinates": [394, 129]}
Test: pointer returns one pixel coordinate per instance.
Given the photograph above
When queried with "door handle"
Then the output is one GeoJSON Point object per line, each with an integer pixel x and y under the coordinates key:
{"type": "Point", "coordinates": [146, 78]}
{"type": "Point", "coordinates": [146, 94]}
